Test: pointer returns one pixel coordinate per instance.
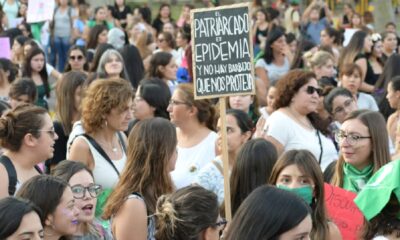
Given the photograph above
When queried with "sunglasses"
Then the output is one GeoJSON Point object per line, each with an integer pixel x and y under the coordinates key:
{"type": "Point", "coordinates": [73, 58]}
{"type": "Point", "coordinates": [311, 90]}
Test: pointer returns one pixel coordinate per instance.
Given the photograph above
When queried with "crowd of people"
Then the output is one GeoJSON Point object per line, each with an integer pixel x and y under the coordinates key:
{"type": "Point", "coordinates": [127, 152]}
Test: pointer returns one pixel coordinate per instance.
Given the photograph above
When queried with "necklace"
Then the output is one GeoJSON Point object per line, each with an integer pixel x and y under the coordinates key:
{"type": "Point", "coordinates": [114, 148]}
{"type": "Point", "coordinates": [297, 118]}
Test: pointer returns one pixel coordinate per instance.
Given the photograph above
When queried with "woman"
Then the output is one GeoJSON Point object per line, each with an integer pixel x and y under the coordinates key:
{"type": "Point", "coordinates": [183, 39]}
{"type": "Point", "coordinates": [355, 52]}
{"type": "Point", "coordinates": [8, 72]}
{"type": "Point", "coordinates": [163, 66]}
{"type": "Point", "coordinates": [151, 99]}
{"type": "Point", "coordinates": [295, 124]}
{"type": "Point", "coordinates": [77, 59]}
{"type": "Point", "coordinates": [97, 35]}
{"type": "Point", "coordinates": [239, 130]}
{"type": "Point", "coordinates": [356, 21]}
{"type": "Point", "coordinates": [297, 171]}
{"type": "Point", "coordinates": [121, 12]}
{"type": "Point", "coordinates": [374, 63]}
{"type": "Point", "coordinates": [69, 94]}
{"type": "Point", "coordinates": [151, 158]}
{"type": "Point", "coordinates": [20, 217]}
{"type": "Point", "coordinates": [94, 60]}
{"type": "Point", "coordinates": [134, 64]}
{"type": "Point", "coordinates": [85, 192]}
{"type": "Point", "coordinates": [260, 29]}
{"type": "Point", "coordinates": [194, 120]}
{"type": "Point", "coordinates": [184, 18]}
{"type": "Point", "coordinates": [163, 16]}
{"type": "Point", "coordinates": [350, 78]}
{"type": "Point", "coordinates": [339, 103]}
{"type": "Point", "coordinates": [364, 148]}
{"type": "Point", "coordinates": [393, 122]}
{"type": "Point", "coordinates": [17, 50]}
{"type": "Point", "coordinates": [34, 68]}
{"type": "Point", "coordinates": [28, 136]}
{"type": "Point", "coordinates": [389, 41]}
{"type": "Point", "coordinates": [55, 199]}
{"type": "Point", "coordinates": [191, 213]}
{"type": "Point", "coordinates": [290, 221]}
{"type": "Point", "coordinates": [332, 38]}
{"type": "Point", "coordinates": [245, 103]}
{"type": "Point", "coordinates": [22, 91]}
{"type": "Point", "coordinates": [142, 38]}
{"type": "Point", "coordinates": [348, 11]}
{"type": "Point", "coordinates": [80, 23]}
{"type": "Point", "coordinates": [166, 43]}
{"type": "Point", "coordinates": [252, 168]}
{"type": "Point", "coordinates": [112, 65]}
{"type": "Point", "coordinates": [106, 112]}
{"type": "Point", "coordinates": [323, 65]}
{"type": "Point", "coordinates": [100, 18]}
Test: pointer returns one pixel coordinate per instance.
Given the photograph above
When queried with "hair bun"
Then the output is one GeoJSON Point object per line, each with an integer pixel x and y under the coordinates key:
{"type": "Point", "coordinates": [7, 122]}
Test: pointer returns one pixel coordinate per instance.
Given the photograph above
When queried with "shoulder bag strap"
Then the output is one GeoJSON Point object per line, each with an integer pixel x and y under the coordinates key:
{"type": "Point", "coordinates": [320, 147]}
{"type": "Point", "coordinates": [12, 174]}
{"type": "Point", "coordinates": [101, 151]}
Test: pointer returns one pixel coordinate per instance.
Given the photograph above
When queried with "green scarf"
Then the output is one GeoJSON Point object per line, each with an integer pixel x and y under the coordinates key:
{"type": "Point", "coordinates": [376, 194]}
{"type": "Point", "coordinates": [353, 179]}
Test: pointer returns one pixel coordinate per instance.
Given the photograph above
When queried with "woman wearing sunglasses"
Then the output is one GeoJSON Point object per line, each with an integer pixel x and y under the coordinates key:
{"type": "Point", "coordinates": [364, 148]}
{"type": "Point", "coordinates": [191, 213]}
{"type": "Point", "coordinates": [295, 124]}
{"type": "Point", "coordinates": [85, 192]}
{"type": "Point", "coordinates": [77, 60]}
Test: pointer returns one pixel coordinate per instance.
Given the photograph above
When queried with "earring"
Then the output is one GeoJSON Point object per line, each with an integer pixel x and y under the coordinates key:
{"type": "Point", "coordinates": [106, 123]}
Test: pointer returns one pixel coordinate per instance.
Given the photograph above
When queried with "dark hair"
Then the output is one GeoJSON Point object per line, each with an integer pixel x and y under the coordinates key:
{"type": "Point", "coordinates": [67, 168]}
{"type": "Point", "coordinates": [146, 14]}
{"type": "Point", "coordinates": [243, 120]}
{"type": "Point", "coordinates": [303, 46]}
{"type": "Point", "coordinates": [259, 210]}
{"type": "Point", "coordinates": [186, 213]}
{"type": "Point", "coordinates": [164, 4]}
{"type": "Point", "coordinates": [27, 69]}
{"type": "Point", "coordinates": [93, 36]}
{"type": "Point", "coordinates": [15, 124]}
{"type": "Point", "coordinates": [4, 106]}
{"type": "Point", "coordinates": [355, 47]}
{"type": "Point", "coordinates": [45, 191]}
{"type": "Point", "coordinates": [328, 100]}
{"type": "Point", "coordinates": [157, 94]}
{"type": "Point", "coordinates": [390, 24]}
{"type": "Point", "coordinates": [168, 38]}
{"type": "Point", "coordinates": [396, 83]}
{"type": "Point", "coordinates": [21, 39]}
{"type": "Point", "coordinates": [133, 64]}
{"type": "Point", "coordinates": [12, 211]}
{"type": "Point", "coordinates": [252, 168]}
{"type": "Point", "coordinates": [84, 53]}
{"type": "Point", "coordinates": [23, 86]}
{"type": "Point", "coordinates": [273, 35]}
{"type": "Point", "coordinates": [157, 60]}
{"type": "Point", "coordinates": [290, 37]}
{"type": "Point", "coordinates": [349, 70]}
{"type": "Point", "coordinates": [27, 27]}
{"type": "Point", "coordinates": [9, 67]}
{"type": "Point", "coordinates": [185, 32]}
{"type": "Point", "coordinates": [333, 33]}
{"type": "Point", "coordinates": [100, 49]}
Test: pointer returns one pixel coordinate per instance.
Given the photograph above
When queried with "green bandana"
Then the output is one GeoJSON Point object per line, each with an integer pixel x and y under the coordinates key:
{"type": "Point", "coordinates": [376, 194]}
{"type": "Point", "coordinates": [353, 179]}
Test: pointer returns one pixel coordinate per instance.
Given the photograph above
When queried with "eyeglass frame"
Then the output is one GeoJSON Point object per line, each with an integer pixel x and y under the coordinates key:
{"type": "Point", "coordinates": [346, 104]}
{"type": "Point", "coordinates": [311, 90]}
{"type": "Point", "coordinates": [352, 142]}
{"type": "Point", "coordinates": [221, 223]}
{"type": "Point", "coordinates": [99, 187]}
{"type": "Point", "coordinates": [76, 58]}
{"type": "Point", "coordinates": [173, 102]}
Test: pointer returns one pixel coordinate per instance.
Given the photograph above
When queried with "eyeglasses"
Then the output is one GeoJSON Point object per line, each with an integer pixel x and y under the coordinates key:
{"type": "Point", "coordinates": [221, 225]}
{"type": "Point", "coordinates": [351, 139]}
{"type": "Point", "coordinates": [311, 90]}
{"type": "Point", "coordinates": [175, 102]}
{"type": "Point", "coordinates": [79, 191]}
{"type": "Point", "coordinates": [51, 132]}
{"type": "Point", "coordinates": [340, 109]}
{"type": "Point", "coordinates": [73, 58]}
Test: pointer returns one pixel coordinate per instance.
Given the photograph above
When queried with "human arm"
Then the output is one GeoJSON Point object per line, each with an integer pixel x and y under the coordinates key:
{"type": "Point", "coordinates": [306, 13]}
{"type": "Point", "coordinates": [130, 222]}
{"type": "Point", "coordinates": [334, 233]}
{"type": "Point", "coordinates": [80, 152]}
{"type": "Point", "coordinates": [365, 87]}
{"type": "Point", "coordinates": [279, 147]}
{"type": "Point", "coordinates": [328, 13]}
{"type": "Point", "coordinates": [3, 182]}
{"type": "Point", "coordinates": [262, 73]}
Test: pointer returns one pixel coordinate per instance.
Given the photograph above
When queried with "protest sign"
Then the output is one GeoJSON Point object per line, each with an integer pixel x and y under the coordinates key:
{"type": "Point", "coordinates": [343, 211]}
{"type": "Point", "coordinates": [5, 48]}
{"type": "Point", "coordinates": [222, 52]}
{"type": "Point", "coordinates": [40, 10]}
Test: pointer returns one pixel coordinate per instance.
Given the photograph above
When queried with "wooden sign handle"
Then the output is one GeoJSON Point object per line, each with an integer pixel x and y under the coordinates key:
{"type": "Point", "coordinates": [225, 160]}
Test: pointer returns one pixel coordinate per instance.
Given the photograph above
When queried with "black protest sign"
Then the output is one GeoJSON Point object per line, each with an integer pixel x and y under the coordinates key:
{"type": "Point", "coordinates": [222, 52]}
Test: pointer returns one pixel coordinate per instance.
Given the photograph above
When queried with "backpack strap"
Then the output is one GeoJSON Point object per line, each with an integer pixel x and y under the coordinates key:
{"type": "Point", "coordinates": [101, 151]}
{"type": "Point", "coordinates": [218, 166]}
{"type": "Point", "coordinates": [12, 174]}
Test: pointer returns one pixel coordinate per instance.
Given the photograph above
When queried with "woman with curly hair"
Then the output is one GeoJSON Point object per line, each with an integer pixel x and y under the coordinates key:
{"type": "Point", "coordinates": [295, 124]}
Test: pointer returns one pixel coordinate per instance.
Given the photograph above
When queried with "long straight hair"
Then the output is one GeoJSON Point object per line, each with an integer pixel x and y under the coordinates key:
{"type": "Point", "coordinates": [27, 68]}
{"type": "Point", "coordinates": [355, 47]}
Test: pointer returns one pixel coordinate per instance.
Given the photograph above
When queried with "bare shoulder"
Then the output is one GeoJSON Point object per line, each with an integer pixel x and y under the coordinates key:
{"type": "Point", "coordinates": [334, 233]}
{"type": "Point", "coordinates": [80, 152]}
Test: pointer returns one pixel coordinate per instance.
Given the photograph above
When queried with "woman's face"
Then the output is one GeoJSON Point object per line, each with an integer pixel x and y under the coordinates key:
{"type": "Point", "coordinates": [16, 48]}
{"type": "Point", "coordinates": [392, 96]}
{"type": "Point", "coordinates": [186, 12]}
{"type": "Point", "coordinates": [101, 15]}
{"type": "Point", "coordinates": [279, 46]}
{"type": "Point", "coordinates": [113, 66]}
{"type": "Point", "coordinates": [64, 220]}
{"type": "Point", "coordinates": [241, 102]}
{"type": "Point", "coordinates": [76, 60]}
{"type": "Point", "coordinates": [356, 20]}
{"type": "Point", "coordinates": [37, 63]}
{"type": "Point", "coordinates": [377, 49]}
{"type": "Point", "coordinates": [119, 2]}
{"type": "Point", "coordinates": [22, 9]}
{"type": "Point", "coordinates": [169, 71]}
{"type": "Point", "coordinates": [165, 12]}
{"type": "Point", "coordinates": [292, 177]}
{"type": "Point", "coordinates": [271, 96]}
{"type": "Point", "coordinates": [326, 40]}
{"type": "Point", "coordinates": [352, 82]}
{"type": "Point", "coordinates": [30, 228]}
{"type": "Point", "coordinates": [390, 42]}
{"type": "Point", "coordinates": [301, 231]}
{"type": "Point", "coordinates": [141, 109]}
{"type": "Point", "coordinates": [368, 44]}
{"type": "Point", "coordinates": [45, 142]}
{"type": "Point", "coordinates": [162, 42]}
{"type": "Point", "coordinates": [261, 16]}
{"type": "Point", "coordinates": [180, 41]}
{"type": "Point", "coordinates": [357, 153]}
{"type": "Point", "coordinates": [326, 70]}
{"type": "Point", "coordinates": [118, 120]}
{"type": "Point", "coordinates": [23, 30]}
{"type": "Point", "coordinates": [235, 137]}
{"type": "Point", "coordinates": [293, 46]}
{"type": "Point", "coordinates": [178, 108]}
{"type": "Point", "coordinates": [87, 204]}
{"type": "Point", "coordinates": [102, 38]}
{"type": "Point", "coordinates": [342, 106]}
{"type": "Point", "coordinates": [168, 27]}
{"type": "Point", "coordinates": [307, 98]}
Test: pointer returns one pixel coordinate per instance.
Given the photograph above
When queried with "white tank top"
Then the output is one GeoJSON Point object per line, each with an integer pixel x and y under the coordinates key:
{"type": "Point", "coordinates": [104, 174]}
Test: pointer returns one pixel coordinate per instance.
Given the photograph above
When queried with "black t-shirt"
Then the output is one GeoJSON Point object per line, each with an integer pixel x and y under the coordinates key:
{"type": "Point", "coordinates": [117, 14]}
{"type": "Point", "coordinates": [60, 146]}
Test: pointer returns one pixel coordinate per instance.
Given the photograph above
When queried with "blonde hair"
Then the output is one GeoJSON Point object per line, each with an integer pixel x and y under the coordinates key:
{"type": "Point", "coordinates": [319, 59]}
